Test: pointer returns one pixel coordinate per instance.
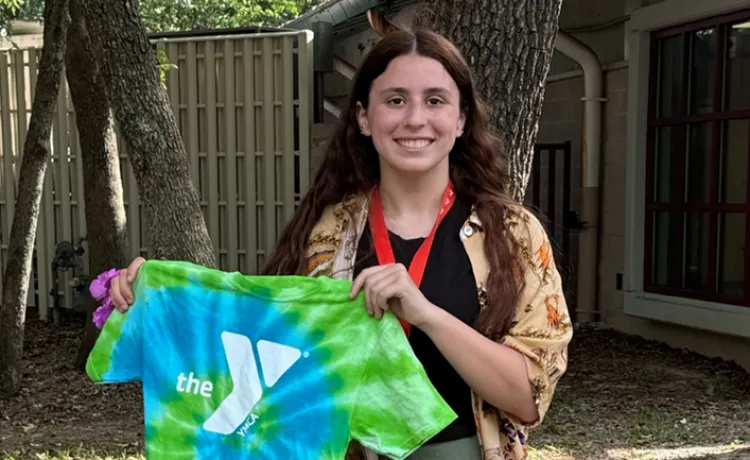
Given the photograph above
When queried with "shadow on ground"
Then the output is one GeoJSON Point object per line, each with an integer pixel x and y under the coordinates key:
{"type": "Point", "coordinates": [625, 397]}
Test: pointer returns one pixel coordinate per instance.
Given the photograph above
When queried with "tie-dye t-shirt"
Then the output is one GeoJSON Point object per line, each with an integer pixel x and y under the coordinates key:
{"type": "Point", "coordinates": [249, 367]}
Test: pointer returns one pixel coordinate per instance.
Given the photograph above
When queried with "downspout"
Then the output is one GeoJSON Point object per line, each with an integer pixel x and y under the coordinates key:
{"type": "Point", "coordinates": [588, 242]}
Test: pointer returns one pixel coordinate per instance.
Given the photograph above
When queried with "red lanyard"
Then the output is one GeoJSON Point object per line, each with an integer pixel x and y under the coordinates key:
{"type": "Point", "coordinates": [382, 242]}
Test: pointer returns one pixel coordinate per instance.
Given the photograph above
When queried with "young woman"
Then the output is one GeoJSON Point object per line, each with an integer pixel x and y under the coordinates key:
{"type": "Point", "coordinates": [411, 204]}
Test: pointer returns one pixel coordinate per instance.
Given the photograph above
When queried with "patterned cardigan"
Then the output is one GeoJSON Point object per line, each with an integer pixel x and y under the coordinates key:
{"type": "Point", "coordinates": [540, 331]}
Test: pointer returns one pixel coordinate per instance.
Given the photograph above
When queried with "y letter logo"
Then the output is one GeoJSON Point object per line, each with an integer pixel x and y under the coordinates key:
{"type": "Point", "coordinates": [275, 360]}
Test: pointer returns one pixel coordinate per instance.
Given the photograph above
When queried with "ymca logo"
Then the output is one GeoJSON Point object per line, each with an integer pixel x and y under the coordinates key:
{"type": "Point", "coordinates": [275, 360]}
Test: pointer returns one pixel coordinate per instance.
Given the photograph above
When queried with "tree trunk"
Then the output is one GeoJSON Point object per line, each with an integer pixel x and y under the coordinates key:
{"type": "Point", "coordinates": [144, 115]}
{"type": "Point", "coordinates": [36, 155]}
{"type": "Point", "coordinates": [102, 184]}
{"type": "Point", "coordinates": [509, 45]}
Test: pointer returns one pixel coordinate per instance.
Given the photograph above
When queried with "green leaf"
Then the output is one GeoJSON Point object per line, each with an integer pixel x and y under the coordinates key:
{"type": "Point", "coordinates": [184, 15]}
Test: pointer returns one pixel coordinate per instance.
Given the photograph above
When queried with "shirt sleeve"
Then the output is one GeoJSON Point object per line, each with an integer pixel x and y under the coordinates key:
{"type": "Point", "coordinates": [117, 355]}
{"type": "Point", "coordinates": [542, 328]}
{"type": "Point", "coordinates": [396, 408]}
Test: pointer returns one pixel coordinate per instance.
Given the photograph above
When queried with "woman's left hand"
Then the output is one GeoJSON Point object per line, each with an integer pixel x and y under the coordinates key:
{"type": "Point", "coordinates": [389, 287]}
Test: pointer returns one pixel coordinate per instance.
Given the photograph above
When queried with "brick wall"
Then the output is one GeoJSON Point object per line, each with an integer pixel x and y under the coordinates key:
{"type": "Point", "coordinates": [562, 121]}
{"type": "Point", "coordinates": [612, 193]}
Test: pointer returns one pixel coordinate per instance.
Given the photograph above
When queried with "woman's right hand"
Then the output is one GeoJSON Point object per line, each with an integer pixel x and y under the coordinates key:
{"type": "Point", "coordinates": [120, 289]}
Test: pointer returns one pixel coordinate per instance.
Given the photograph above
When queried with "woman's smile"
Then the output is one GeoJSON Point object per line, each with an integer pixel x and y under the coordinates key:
{"type": "Point", "coordinates": [415, 144]}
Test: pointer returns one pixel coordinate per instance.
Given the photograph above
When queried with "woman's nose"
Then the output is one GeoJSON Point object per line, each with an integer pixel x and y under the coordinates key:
{"type": "Point", "coordinates": [415, 115]}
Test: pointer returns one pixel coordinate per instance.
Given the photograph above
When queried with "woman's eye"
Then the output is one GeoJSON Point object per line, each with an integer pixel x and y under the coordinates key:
{"type": "Point", "coordinates": [434, 101]}
{"type": "Point", "coordinates": [395, 100]}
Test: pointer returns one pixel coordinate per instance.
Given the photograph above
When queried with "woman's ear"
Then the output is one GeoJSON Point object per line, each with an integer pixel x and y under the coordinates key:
{"type": "Point", "coordinates": [461, 124]}
{"type": "Point", "coordinates": [364, 125]}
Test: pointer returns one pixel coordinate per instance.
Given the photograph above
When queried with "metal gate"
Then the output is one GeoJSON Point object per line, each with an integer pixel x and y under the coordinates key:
{"type": "Point", "coordinates": [550, 194]}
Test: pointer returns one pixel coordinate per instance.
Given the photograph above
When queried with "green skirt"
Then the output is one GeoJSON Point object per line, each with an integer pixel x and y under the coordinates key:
{"type": "Point", "coordinates": [460, 449]}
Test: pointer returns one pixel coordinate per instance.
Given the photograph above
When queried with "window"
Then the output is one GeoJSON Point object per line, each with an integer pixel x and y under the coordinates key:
{"type": "Point", "coordinates": [697, 236]}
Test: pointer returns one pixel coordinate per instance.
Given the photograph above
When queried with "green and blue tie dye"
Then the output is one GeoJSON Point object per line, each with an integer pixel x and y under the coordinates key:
{"type": "Point", "coordinates": [245, 367]}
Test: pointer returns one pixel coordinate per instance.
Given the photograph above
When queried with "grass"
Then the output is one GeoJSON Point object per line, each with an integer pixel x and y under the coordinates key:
{"type": "Point", "coordinates": [79, 453]}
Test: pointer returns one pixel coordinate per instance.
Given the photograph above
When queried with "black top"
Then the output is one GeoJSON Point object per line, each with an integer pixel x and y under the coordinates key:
{"type": "Point", "coordinates": [449, 283]}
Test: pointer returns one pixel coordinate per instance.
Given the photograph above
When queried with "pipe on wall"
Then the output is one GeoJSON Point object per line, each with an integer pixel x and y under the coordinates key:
{"type": "Point", "coordinates": [331, 108]}
{"type": "Point", "coordinates": [344, 68]}
{"type": "Point", "coordinates": [588, 242]}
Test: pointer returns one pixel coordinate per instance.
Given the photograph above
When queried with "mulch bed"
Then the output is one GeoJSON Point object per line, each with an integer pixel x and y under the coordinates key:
{"type": "Point", "coordinates": [625, 397]}
{"type": "Point", "coordinates": [58, 406]}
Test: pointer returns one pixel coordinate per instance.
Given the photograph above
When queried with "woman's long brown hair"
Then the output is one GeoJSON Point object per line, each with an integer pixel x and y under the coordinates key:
{"type": "Point", "coordinates": [477, 169]}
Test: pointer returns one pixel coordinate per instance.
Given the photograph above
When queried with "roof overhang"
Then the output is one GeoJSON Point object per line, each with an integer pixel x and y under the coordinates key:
{"type": "Point", "coordinates": [347, 17]}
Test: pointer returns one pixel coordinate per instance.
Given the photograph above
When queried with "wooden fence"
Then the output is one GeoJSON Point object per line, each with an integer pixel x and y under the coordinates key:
{"type": "Point", "coordinates": [244, 107]}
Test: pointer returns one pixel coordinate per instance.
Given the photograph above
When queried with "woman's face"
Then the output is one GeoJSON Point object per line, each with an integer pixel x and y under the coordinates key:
{"type": "Point", "coordinates": [414, 114]}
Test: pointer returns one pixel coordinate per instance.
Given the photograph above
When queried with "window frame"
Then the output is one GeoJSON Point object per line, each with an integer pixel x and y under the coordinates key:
{"type": "Point", "coordinates": [682, 122]}
{"type": "Point", "coordinates": [634, 303]}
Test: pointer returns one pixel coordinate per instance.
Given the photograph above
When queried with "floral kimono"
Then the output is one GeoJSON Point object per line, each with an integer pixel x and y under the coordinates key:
{"type": "Point", "coordinates": [540, 331]}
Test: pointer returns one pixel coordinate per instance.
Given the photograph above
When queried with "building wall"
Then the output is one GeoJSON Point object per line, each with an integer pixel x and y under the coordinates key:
{"type": "Point", "coordinates": [599, 25]}
{"type": "Point", "coordinates": [612, 194]}
{"type": "Point", "coordinates": [561, 120]}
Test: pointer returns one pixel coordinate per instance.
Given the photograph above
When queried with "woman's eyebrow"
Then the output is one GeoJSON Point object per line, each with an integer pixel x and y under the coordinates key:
{"type": "Point", "coordinates": [403, 91]}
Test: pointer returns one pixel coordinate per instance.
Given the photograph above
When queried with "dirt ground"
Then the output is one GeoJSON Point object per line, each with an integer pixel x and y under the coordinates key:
{"type": "Point", "coordinates": [626, 398]}
{"type": "Point", "coordinates": [623, 398]}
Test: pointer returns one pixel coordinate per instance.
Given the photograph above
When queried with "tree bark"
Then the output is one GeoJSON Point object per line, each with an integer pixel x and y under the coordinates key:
{"type": "Point", "coordinates": [142, 110]}
{"type": "Point", "coordinates": [509, 45]}
{"type": "Point", "coordinates": [102, 184]}
{"type": "Point", "coordinates": [36, 155]}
